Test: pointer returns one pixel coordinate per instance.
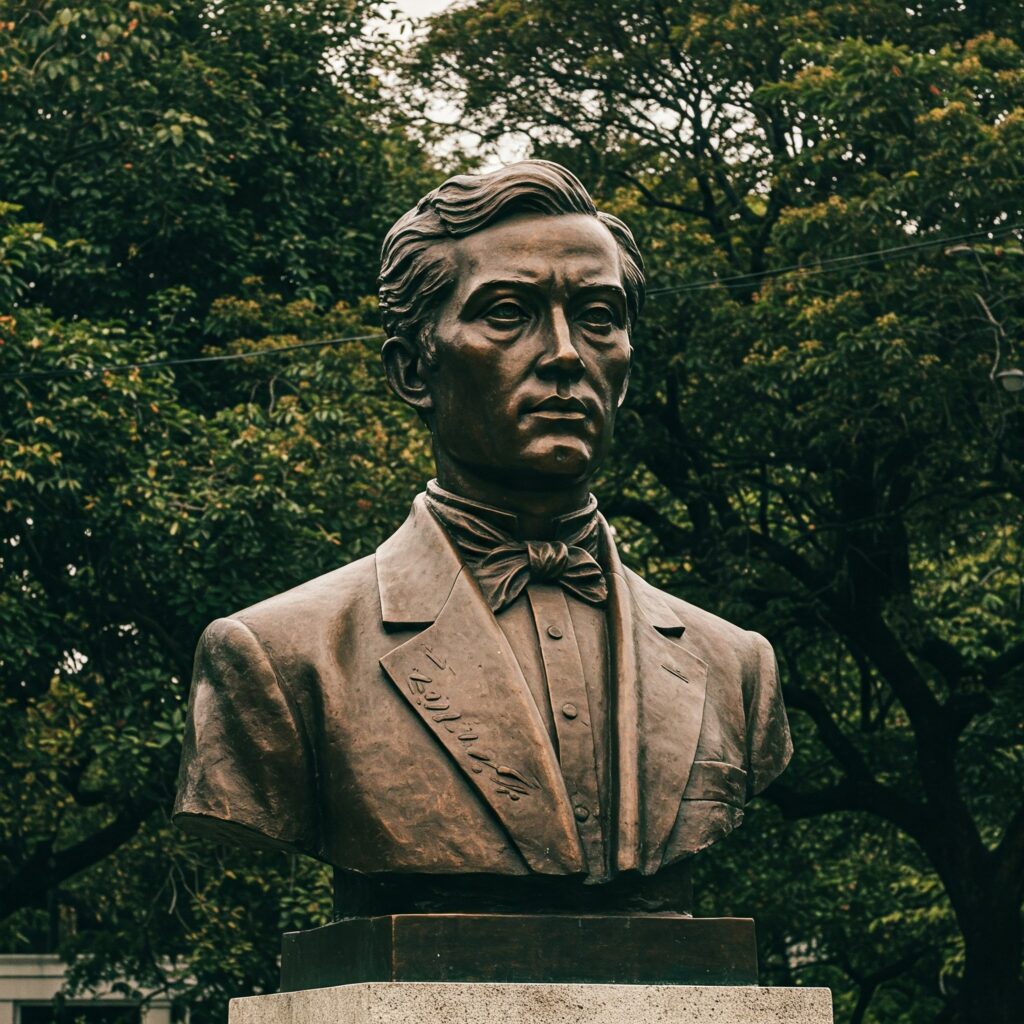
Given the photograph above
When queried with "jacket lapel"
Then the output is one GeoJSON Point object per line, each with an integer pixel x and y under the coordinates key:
{"type": "Point", "coordinates": [416, 569]}
{"type": "Point", "coordinates": [659, 690]}
{"type": "Point", "coordinates": [461, 678]}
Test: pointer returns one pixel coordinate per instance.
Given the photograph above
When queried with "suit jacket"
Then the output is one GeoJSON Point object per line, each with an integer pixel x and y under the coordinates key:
{"type": "Point", "coordinates": [373, 717]}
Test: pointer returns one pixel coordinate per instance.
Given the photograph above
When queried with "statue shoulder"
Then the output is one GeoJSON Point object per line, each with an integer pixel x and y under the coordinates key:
{"type": "Point", "coordinates": [304, 610]}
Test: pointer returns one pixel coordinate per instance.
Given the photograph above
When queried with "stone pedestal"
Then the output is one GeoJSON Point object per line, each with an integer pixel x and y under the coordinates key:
{"type": "Point", "coordinates": [492, 1003]}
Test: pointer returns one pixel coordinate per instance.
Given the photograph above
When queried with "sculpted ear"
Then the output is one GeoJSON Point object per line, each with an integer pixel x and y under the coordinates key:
{"type": "Point", "coordinates": [402, 366]}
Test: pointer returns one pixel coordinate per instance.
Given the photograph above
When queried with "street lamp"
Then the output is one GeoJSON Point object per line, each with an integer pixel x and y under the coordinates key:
{"type": "Point", "coordinates": [1011, 380]}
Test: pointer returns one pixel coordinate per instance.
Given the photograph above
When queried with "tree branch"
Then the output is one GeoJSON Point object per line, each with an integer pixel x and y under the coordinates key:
{"type": "Point", "coordinates": [673, 539]}
{"type": "Point", "coordinates": [859, 790]}
{"type": "Point", "coordinates": [870, 983]}
{"type": "Point", "coordinates": [652, 198]}
{"type": "Point", "coordinates": [45, 868]}
{"type": "Point", "coordinates": [796, 804]}
{"type": "Point", "coordinates": [838, 743]}
{"type": "Point", "coordinates": [1009, 855]}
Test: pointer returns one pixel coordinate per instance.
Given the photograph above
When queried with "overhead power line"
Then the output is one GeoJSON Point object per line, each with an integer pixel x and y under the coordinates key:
{"type": "Point", "coordinates": [151, 364]}
{"type": "Point", "coordinates": [833, 263]}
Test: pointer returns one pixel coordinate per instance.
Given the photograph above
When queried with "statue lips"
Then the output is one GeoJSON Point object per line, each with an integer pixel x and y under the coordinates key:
{"type": "Point", "coordinates": [558, 409]}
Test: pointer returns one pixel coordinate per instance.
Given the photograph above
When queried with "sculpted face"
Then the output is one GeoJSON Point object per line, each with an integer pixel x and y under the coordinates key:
{"type": "Point", "coordinates": [532, 351]}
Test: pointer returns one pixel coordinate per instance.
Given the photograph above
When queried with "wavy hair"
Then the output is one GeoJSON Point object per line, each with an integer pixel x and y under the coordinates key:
{"type": "Point", "coordinates": [416, 271]}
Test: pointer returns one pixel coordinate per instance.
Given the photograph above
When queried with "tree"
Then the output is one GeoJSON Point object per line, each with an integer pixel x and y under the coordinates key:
{"type": "Point", "coordinates": [130, 519]}
{"type": "Point", "coordinates": [822, 454]}
{"type": "Point", "coordinates": [175, 143]}
{"type": "Point", "coordinates": [189, 180]}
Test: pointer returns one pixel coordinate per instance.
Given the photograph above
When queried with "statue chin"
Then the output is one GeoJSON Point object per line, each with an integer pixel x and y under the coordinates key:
{"type": "Point", "coordinates": [549, 464]}
{"type": "Point", "coordinates": [554, 471]}
{"type": "Point", "coordinates": [559, 460]}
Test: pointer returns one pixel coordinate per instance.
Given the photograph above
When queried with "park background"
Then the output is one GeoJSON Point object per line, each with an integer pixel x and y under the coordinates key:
{"type": "Point", "coordinates": [821, 442]}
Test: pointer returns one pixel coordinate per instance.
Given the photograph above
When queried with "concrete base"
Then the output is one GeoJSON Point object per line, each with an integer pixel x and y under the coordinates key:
{"type": "Point", "coordinates": [488, 1003]}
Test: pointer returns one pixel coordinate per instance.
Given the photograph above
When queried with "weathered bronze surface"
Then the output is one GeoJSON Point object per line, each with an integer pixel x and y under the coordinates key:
{"type": "Point", "coordinates": [555, 948]}
{"type": "Point", "coordinates": [491, 712]}
{"type": "Point", "coordinates": [374, 895]}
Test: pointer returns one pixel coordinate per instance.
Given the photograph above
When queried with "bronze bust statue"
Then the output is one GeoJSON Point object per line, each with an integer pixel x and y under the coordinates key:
{"type": "Point", "coordinates": [491, 711]}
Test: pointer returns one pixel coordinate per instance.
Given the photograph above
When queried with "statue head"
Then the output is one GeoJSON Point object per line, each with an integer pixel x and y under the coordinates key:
{"type": "Point", "coordinates": [509, 301]}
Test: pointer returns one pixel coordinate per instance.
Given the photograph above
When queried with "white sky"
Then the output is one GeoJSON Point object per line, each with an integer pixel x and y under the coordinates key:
{"type": "Point", "coordinates": [421, 8]}
{"type": "Point", "coordinates": [508, 150]}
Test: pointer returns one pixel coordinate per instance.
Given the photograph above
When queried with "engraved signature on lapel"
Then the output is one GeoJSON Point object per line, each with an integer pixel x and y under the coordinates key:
{"type": "Point", "coordinates": [435, 703]}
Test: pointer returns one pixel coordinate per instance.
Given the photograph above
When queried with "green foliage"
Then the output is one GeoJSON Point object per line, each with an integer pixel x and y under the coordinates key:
{"type": "Point", "coordinates": [130, 518]}
{"type": "Point", "coordinates": [201, 923]}
{"type": "Point", "coordinates": [21, 246]}
{"type": "Point", "coordinates": [822, 454]}
{"type": "Point", "coordinates": [186, 180]}
{"type": "Point", "coordinates": [176, 143]}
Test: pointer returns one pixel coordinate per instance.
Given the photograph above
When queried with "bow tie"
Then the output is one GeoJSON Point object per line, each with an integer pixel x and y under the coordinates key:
{"type": "Point", "coordinates": [503, 566]}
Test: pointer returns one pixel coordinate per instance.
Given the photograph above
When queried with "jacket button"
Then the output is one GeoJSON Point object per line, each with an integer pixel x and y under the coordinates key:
{"type": "Point", "coordinates": [554, 632]}
{"type": "Point", "coordinates": [581, 812]}
{"type": "Point", "coordinates": [570, 710]}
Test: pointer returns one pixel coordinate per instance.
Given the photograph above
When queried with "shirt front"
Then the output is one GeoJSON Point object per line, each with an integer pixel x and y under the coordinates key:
{"type": "Point", "coordinates": [561, 645]}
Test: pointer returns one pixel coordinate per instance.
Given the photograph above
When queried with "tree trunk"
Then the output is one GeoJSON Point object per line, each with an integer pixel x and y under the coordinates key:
{"type": "Point", "coordinates": [992, 991]}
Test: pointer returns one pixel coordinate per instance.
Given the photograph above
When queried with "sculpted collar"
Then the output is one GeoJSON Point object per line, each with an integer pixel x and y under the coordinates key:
{"type": "Point", "coordinates": [503, 565]}
{"type": "Point", "coordinates": [508, 522]}
{"type": "Point", "coordinates": [418, 565]}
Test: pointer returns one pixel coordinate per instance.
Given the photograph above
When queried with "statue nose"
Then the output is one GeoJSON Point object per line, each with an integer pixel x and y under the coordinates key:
{"type": "Point", "coordinates": [560, 355]}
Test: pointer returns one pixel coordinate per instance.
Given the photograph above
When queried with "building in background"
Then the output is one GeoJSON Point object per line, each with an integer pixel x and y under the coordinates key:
{"type": "Point", "coordinates": [30, 983]}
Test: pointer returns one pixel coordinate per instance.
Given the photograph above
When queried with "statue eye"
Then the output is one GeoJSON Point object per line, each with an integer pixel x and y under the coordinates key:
{"type": "Point", "coordinates": [506, 313]}
{"type": "Point", "coordinates": [597, 316]}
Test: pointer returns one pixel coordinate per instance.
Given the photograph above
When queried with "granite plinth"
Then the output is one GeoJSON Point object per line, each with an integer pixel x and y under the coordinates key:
{"type": "Point", "coordinates": [482, 1003]}
{"type": "Point", "coordinates": [649, 949]}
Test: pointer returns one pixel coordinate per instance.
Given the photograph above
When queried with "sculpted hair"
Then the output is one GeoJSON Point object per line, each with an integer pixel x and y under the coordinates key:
{"type": "Point", "coordinates": [416, 269]}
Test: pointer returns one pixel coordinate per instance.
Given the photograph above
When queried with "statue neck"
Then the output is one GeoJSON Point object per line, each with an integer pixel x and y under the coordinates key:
{"type": "Point", "coordinates": [535, 510]}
